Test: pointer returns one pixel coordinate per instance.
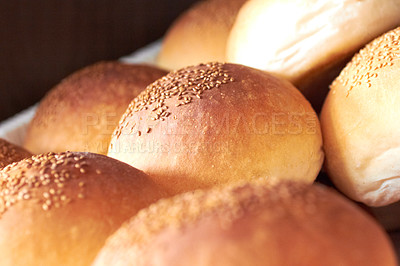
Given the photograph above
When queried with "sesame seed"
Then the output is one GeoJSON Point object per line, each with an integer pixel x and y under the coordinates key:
{"type": "Point", "coordinates": [181, 85]}
{"type": "Point", "coordinates": [373, 58]}
{"type": "Point", "coordinates": [44, 170]}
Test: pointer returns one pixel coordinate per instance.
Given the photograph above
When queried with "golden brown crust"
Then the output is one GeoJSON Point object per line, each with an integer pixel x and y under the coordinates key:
{"type": "Point", "coordinates": [361, 127]}
{"type": "Point", "coordinates": [218, 123]}
{"type": "Point", "coordinates": [249, 224]}
{"type": "Point", "coordinates": [59, 208]}
{"type": "Point", "coordinates": [10, 153]}
{"type": "Point", "coordinates": [200, 34]}
{"type": "Point", "coordinates": [81, 112]}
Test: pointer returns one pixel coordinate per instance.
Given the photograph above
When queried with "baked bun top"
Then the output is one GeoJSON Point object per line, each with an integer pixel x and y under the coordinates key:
{"type": "Point", "coordinates": [60, 208]}
{"type": "Point", "coordinates": [217, 123]}
{"type": "Point", "coordinates": [80, 113]}
{"type": "Point", "coordinates": [250, 224]}
{"type": "Point", "coordinates": [361, 126]}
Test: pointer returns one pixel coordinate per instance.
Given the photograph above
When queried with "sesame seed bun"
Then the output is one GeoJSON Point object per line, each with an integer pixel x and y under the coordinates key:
{"type": "Point", "coordinates": [251, 224]}
{"type": "Point", "coordinates": [199, 35]}
{"type": "Point", "coordinates": [58, 209]}
{"type": "Point", "coordinates": [217, 123]}
{"type": "Point", "coordinates": [81, 112]}
{"type": "Point", "coordinates": [307, 42]}
{"type": "Point", "coordinates": [361, 126]}
{"type": "Point", "coordinates": [10, 153]}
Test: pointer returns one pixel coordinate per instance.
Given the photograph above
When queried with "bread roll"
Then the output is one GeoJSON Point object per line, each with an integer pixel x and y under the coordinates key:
{"type": "Point", "coordinates": [10, 153]}
{"type": "Point", "coordinates": [361, 126]}
{"type": "Point", "coordinates": [81, 112]}
{"type": "Point", "coordinates": [307, 42]}
{"type": "Point", "coordinates": [217, 123]}
{"type": "Point", "coordinates": [251, 224]}
{"type": "Point", "coordinates": [199, 35]}
{"type": "Point", "coordinates": [58, 209]}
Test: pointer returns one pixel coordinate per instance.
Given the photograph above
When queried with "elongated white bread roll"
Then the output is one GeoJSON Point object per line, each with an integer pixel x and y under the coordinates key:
{"type": "Point", "coordinates": [307, 42]}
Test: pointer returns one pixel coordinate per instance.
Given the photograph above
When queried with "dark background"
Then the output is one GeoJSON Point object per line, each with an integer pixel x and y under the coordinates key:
{"type": "Point", "coordinates": [42, 41]}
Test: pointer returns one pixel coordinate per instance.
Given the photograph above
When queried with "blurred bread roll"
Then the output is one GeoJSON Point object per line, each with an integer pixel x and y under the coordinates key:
{"type": "Point", "coordinates": [58, 209]}
{"type": "Point", "coordinates": [307, 42]}
{"type": "Point", "coordinates": [218, 123]}
{"type": "Point", "coordinates": [10, 153]}
{"type": "Point", "coordinates": [251, 224]}
{"type": "Point", "coordinates": [199, 35]}
{"type": "Point", "coordinates": [361, 126]}
{"type": "Point", "coordinates": [81, 112]}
